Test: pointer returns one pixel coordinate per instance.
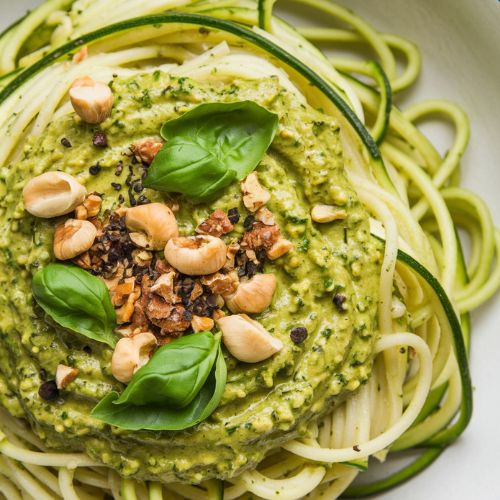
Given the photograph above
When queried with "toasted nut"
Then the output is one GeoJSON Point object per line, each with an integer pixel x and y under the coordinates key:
{"type": "Point", "coordinates": [265, 216]}
{"type": "Point", "coordinates": [327, 213]}
{"type": "Point", "coordinates": [252, 296]}
{"type": "Point", "coordinates": [254, 195]}
{"type": "Point", "coordinates": [65, 375]}
{"type": "Point", "coordinates": [91, 100]}
{"type": "Point", "coordinates": [156, 220]}
{"type": "Point", "coordinates": [131, 353]}
{"type": "Point", "coordinates": [125, 312]}
{"type": "Point", "coordinates": [246, 339]}
{"type": "Point", "coordinates": [73, 237]}
{"type": "Point", "coordinates": [164, 286]}
{"type": "Point", "coordinates": [52, 194]}
{"type": "Point", "coordinates": [120, 291]}
{"type": "Point", "coordinates": [196, 255]}
{"type": "Point", "coordinates": [147, 149]}
{"type": "Point", "coordinates": [90, 207]}
{"type": "Point", "coordinates": [202, 323]}
{"type": "Point", "coordinates": [280, 248]}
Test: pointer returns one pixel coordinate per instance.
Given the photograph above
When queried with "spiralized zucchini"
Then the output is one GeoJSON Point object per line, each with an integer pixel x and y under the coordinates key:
{"type": "Point", "coordinates": [410, 190]}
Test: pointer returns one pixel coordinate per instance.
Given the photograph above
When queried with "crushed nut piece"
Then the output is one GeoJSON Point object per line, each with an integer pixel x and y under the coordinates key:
{"type": "Point", "coordinates": [265, 216]}
{"type": "Point", "coordinates": [261, 236]}
{"type": "Point", "coordinates": [146, 150]}
{"type": "Point", "coordinates": [221, 284]}
{"type": "Point", "coordinates": [254, 195]}
{"type": "Point", "coordinates": [202, 323]}
{"type": "Point", "coordinates": [327, 213]}
{"type": "Point", "coordinates": [216, 225]}
{"type": "Point", "coordinates": [280, 248]}
{"type": "Point", "coordinates": [65, 375]}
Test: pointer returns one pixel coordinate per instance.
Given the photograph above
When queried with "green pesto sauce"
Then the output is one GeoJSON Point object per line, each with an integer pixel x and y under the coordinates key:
{"type": "Point", "coordinates": [264, 404]}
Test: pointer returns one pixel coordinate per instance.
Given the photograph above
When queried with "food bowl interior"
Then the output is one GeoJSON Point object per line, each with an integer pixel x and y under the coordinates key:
{"type": "Point", "coordinates": [460, 45]}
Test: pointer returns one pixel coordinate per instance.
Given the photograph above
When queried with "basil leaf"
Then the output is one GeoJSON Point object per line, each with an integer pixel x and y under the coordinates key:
{"type": "Point", "coordinates": [210, 147]}
{"type": "Point", "coordinates": [160, 418]}
{"type": "Point", "coordinates": [175, 374]}
{"type": "Point", "coordinates": [76, 300]}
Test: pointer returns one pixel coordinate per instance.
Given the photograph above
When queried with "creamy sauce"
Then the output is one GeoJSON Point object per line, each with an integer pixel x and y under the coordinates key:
{"type": "Point", "coordinates": [263, 404]}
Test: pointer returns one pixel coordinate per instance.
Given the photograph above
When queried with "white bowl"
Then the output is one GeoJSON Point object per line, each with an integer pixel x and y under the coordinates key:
{"type": "Point", "coordinates": [460, 44]}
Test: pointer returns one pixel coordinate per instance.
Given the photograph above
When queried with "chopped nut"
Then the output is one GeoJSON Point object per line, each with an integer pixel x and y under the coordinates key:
{"type": "Point", "coordinates": [130, 354]}
{"type": "Point", "coordinates": [72, 238]}
{"type": "Point", "coordinates": [217, 314]}
{"type": "Point", "coordinates": [120, 291]}
{"type": "Point", "coordinates": [155, 222]}
{"type": "Point", "coordinates": [252, 296]}
{"type": "Point", "coordinates": [260, 236]}
{"type": "Point", "coordinates": [164, 287]}
{"type": "Point", "coordinates": [221, 284]}
{"type": "Point", "coordinates": [52, 194]}
{"type": "Point", "coordinates": [147, 149]}
{"type": "Point", "coordinates": [65, 375]}
{"type": "Point", "coordinates": [231, 252]}
{"type": "Point", "coordinates": [196, 255]}
{"type": "Point", "coordinates": [265, 216]}
{"type": "Point", "coordinates": [125, 312]}
{"type": "Point", "coordinates": [91, 100]}
{"type": "Point", "coordinates": [216, 225]}
{"type": "Point", "coordinates": [202, 323]}
{"type": "Point", "coordinates": [327, 213]}
{"type": "Point", "coordinates": [254, 195]}
{"type": "Point", "coordinates": [246, 339]}
{"type": "Point", "coordinates": [81, 213]}
{"type": "Point", "coordinates": [280, 248]}
{"type": "Point", "coordinates": [90, 207]}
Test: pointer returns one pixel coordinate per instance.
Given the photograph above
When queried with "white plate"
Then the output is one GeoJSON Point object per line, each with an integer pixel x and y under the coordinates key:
{"type": "Point", "coordinates": [460, 43]}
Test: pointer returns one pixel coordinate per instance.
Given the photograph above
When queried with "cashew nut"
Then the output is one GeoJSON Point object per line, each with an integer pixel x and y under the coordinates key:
{"type": "Point", "coordinates": [252, 296]}
{"type": "Point", "coordinates": [254, 195]}
{"type": "Point", "coordinates": [156, 220]}
{"type": "Point", "coordinates": [327, 213]}
{"type": "Point", "coordinates": [91, 100]}
{"type": "Point", "coordinates": [65, 375]}
{"type": "Point", "coordinates": [246, 339]}
{"type": "Point", "coordinates": [196, 255]}
{"type": "Point", "coordinates": [52, 194]}
{"type": "Point", "coordinates": [131, 353]}
{"type": "Point", "coordinates": [280, 248]}
{"type": "Point", "coordinates": [73, 237]}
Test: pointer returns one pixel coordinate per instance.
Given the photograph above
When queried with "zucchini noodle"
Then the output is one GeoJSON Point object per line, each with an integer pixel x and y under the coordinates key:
{"type": "Point", "coordinates": [419, 393]}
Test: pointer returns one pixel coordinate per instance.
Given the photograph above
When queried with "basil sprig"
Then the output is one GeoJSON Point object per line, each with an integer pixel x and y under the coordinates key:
{"type": "Point", "coordinates": [156, 412]}
{"type": "Point", "coordinates": [210, 147]}
{"type": "Point", "coordinates": [175, 374]}
{"type": "Point", "coordinates": [76, 300]}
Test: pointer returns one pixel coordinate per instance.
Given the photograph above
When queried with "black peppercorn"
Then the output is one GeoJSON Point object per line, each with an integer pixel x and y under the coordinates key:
{"type": "Point", "coordinates": [233, 215]}
{"type": "Point", "coordinates": [48, 390]}
{"type": "Point", "coordinates": [116, 186]}
{"type": "Point", "coordinates": [95, 169]}
{"type": "Point", "coordinates": [99, 140]}
{"type": "Point", "coordinates": [339, 300]}
{"type": "Point", "coordinates": [298, 334]}
{"type": "Point", "coordinates": [248, 222]}
{"type": "Point", "coordinates": [65, 142]}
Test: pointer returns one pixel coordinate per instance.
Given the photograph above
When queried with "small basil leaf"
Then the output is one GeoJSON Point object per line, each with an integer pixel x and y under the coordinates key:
{"type": "Point", "coordinates": [210, 147]}
{"type": "Point", "coordinates": [160, 418]}
{"type": "Point", "coordinates": [175, 374]}
{"type": "Point", "coordinates": [76, 300]}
